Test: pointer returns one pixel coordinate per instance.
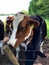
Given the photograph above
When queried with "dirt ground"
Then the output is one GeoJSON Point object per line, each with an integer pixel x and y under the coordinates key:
{"type": "Point", "coordinates": [44, 61]}
{"type": "Point", "coordinates": [40, 61]}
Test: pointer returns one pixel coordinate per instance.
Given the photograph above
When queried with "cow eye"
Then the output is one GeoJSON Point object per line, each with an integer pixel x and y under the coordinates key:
{"type": "Point", "coordinates": [22, 28]}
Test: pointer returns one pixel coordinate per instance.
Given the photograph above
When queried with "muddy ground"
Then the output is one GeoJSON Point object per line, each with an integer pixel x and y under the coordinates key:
{"type": "Point", "coordinates": [40, 61]}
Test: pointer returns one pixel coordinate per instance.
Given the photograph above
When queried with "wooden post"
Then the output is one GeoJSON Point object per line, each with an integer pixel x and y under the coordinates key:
{"type": "Point", "coordinates": [10, 55]}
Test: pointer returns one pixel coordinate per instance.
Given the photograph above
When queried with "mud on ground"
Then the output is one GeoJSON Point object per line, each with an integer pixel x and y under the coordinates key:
{"type": "Point", "coordinates": [40, 61]}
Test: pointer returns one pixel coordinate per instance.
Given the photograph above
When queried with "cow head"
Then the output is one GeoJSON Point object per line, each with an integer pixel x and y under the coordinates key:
{"type": "Point", "coordinates": [9, 23]}
{"type": "Point", "coordinates": [9, 20]}
{"type": "Point", "coordinates": [23, 27]}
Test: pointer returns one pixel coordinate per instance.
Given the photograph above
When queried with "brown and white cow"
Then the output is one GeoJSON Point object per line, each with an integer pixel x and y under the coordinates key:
{"type": "Point", "coordinates": [22, 29]}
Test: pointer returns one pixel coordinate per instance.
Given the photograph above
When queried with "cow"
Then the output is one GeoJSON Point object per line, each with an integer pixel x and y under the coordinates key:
{"type": "Point", "coordinates": [9, 25]}
{"type": "Point", "coordinates": [40, 31]}
{"type": "Point", "coordinates": [26, 32]}
{"type": "Point", "coordinates": [1, 33]}
{"type": "Point", "coordinates": [1, 30]}
{"type": "Point", "coordinates": [9, 29]}
{"type": "Point", "coordinates": [37, 41]}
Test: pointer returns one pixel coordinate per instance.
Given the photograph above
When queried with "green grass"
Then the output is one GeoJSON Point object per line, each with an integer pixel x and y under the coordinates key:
{"type": "Point", "coordinates": [4, 25]}
{"type": "Point", "coordinates": [47, 22]}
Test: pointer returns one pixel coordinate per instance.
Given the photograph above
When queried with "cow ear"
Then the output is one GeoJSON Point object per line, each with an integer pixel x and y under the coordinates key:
{"type": "Point", "coordinates": [33, 23]}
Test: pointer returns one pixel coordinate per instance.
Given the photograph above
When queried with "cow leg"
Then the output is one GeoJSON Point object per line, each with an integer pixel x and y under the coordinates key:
{"type": "Point", "coordinates": [31, 56]}
{"type": "Point", "coordinates": [22, 56]}
{"type": "Point", "coordinates": [20, 53]}
{"type": "Point", "coordinates": [10, 55]}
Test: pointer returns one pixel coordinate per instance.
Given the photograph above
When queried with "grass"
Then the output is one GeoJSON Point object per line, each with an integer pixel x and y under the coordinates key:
{"type": "Point", "coordinates": [47, 22]}
{"type": "Point", "coordinates": [4, 25]}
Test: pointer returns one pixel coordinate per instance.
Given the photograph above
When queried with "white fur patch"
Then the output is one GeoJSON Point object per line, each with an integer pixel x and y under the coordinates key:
{"type": "Point", "coordinates": [42, 43]}
{"type": "Point", "coordinates": [17, 19]}
{"type": "Point", "coordinates": [12, 42]}
{"type": "Point", "coordinates": [28, 34]}
{"type": "Point", "coordinates": [41, 49]}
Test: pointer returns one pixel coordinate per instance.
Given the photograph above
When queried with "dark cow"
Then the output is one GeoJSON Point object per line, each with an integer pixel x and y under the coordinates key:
{"type": "Point", "coordinates": [26, 32]}
{"type": "Point", "coordinates": [1, 33]}
{"type": "Point", "coordinates": [35, 47]}
{"type": "Point", "coordinates": [39, 35]}
{"type": "Point", "coordinates": [1, 30]}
